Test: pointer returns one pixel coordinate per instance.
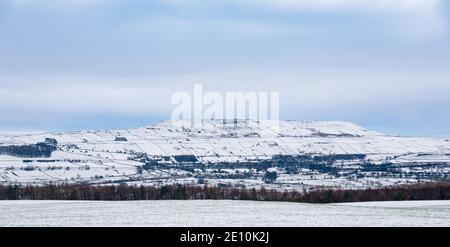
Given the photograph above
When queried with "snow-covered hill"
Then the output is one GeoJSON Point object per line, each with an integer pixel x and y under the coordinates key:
{"type": "Point", "coordinates": [235, 153]}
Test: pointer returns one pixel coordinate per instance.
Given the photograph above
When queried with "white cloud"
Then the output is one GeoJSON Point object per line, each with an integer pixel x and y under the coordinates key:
{"type": "Point", "coordinates": [183, 28]}
{"type": "Point", "coordinates": [79, 94]}
{"type": "Point", "coordinates": [411, 19]}
{"type": "Point", "coordinates": [313, 91]}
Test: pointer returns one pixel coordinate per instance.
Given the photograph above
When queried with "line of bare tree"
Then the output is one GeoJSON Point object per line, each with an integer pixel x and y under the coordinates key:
{"type": "Point", "coordinates": [421, 191]}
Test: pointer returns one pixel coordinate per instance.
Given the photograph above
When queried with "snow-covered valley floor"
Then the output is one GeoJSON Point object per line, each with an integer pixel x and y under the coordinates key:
{"type": "Point", "coordinates": [222, 213]}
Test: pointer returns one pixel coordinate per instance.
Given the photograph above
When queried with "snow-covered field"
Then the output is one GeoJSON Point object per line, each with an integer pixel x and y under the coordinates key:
{"type": "Point", "coordinates": [222, 213]}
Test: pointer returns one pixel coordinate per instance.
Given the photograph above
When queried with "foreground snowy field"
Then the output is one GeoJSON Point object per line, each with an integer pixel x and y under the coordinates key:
{"type": "Point", "coordinates": [222, 213]}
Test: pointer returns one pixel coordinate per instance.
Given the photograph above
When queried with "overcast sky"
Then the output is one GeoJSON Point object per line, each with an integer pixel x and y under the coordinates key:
{"type": "Point", "coordinates": [89, 64]}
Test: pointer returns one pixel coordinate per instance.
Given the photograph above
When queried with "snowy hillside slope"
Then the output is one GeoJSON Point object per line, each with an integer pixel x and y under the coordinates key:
{"type": "Point", "coordinates": [166, 153]}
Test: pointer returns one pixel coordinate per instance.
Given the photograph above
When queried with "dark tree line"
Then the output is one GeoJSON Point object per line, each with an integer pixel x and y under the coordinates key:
{"type": "Point", "coordinates": [424, 191]}
{"type": "Point", "coordinates": [320, 163]}
{"type": "Point", "coordinates": [40, 149]}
